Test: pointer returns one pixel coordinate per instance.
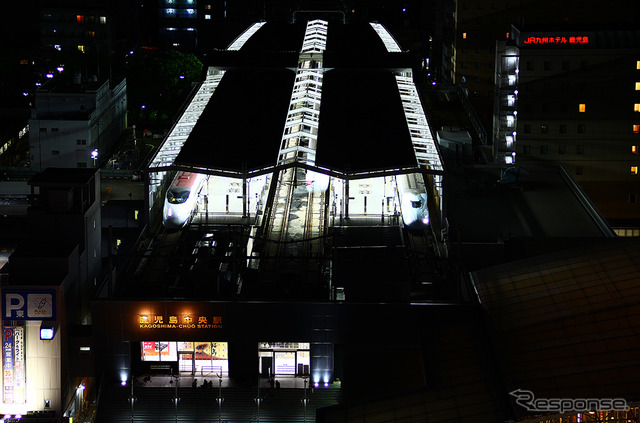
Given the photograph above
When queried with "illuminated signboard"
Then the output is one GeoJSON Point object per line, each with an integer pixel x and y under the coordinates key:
{"type": "Point", "coordinates": [28, 305]}
{"type": "Point", "coordinates": [182, 321]}
{"type": "Point", "coordinates": [7, 365]}
{"type": "Point", "coordinates": [555, 40]}
{"type": "Point", "coordinates": [18, 366]}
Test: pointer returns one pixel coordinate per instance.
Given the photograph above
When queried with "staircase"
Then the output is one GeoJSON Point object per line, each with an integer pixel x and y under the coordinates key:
{"type": "Point", "coordinates": [199, 405]}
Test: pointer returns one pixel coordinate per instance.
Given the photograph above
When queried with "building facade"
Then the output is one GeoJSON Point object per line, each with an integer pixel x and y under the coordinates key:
{"type": "Point", "coordinates": [76, 125]}
{"type": "Point", "coordinates": [574, 98]}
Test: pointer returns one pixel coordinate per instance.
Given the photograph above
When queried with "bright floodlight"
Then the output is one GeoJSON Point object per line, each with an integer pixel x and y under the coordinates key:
{"type": "Point", "coordinates": [94, 154]}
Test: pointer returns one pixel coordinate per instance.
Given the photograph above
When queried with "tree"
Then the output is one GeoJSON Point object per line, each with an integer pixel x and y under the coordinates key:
{"type": "Point", "coordinates": [161, 80]}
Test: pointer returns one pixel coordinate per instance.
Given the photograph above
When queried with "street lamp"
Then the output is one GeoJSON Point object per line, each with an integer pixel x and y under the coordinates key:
{"type": "Point", "coordinates": [94, 156]}
{"type": "Point", "coordinates": [219, 399]}
{"type": "Point", "coordinates": [305, 400]}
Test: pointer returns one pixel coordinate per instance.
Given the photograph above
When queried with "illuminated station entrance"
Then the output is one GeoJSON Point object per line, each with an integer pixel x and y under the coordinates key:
{"type": "Point", "coordinates": [193, 358]}
{"type": "Point", "coordinates": [284, 359]}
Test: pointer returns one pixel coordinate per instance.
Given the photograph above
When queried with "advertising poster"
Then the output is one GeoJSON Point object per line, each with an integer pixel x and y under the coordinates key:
{"type": "Point", "coordinates": [7, 365]}
{"type": "Point", "coordinates": [157, 351]}
{"type": "Point", "coordinates": [18, 366]}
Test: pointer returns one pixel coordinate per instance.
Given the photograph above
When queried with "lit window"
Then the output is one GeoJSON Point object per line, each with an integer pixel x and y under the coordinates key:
{"type": "Point", "coordinates": [636, 107]}
{"type": "Point", "coordinates": [207, 6]}
{"type": "Point", "coordinates": [508, 35]}
{"type": "Point", "coordinates": [464, 37]}
{"type": "Point", "coordinates": [637, 86]}
{"type": "Point", "coordinates": [582, 107]}
{"type": "Point", "coordinates": [103, 20]}
{"type": "Point", "coordinates": [81, 49]}
{"type": "Point", "coordinates": [80, 19]}
{"type": "Point", "coordinates": [634, 170]}
{"type": "Point", "coordinates": [206, 17]}
{"type": "Point", "coordinates": [637, 64]}
{"type": "Point", "coordinates": [634, 149]}
{"type": "Point", "coordinates": [636, 129]}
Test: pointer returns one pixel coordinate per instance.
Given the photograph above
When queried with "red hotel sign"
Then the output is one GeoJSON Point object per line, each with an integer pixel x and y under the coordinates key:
{"type": "Point", "coordinates": [560, 40]}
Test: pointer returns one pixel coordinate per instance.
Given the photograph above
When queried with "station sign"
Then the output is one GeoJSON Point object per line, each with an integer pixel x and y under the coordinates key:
{"type": "Point", "coordinates": [179, 321]}
{"type": "Point", "coordinates": [28, 305]}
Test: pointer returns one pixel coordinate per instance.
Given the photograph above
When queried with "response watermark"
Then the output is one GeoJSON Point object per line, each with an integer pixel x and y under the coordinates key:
{"type": "Point", "coordinates": [527, 400]}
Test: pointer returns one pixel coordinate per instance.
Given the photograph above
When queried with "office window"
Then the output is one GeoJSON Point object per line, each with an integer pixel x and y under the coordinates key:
{"type": "Point", "coordinates": [43, 129]}
{"type": "Point", "coordinates": [636, 107]}
{"type": "Point", "coordinates": [81, 49]}
{"type": "Point", "coordinates": [207, 6]}
{"type": "Point", "coordinates": [527, 129]}
{"type": "Point", "coordinates": [579, 170]}
{"type": "Point", "coordinates": [582, 107]}
{"type": "Point", "coordinates": [636, 129]}
{"type": "Point", "coordinates": [637, 64]}
{"type": "Point", "coordinates": [207, 17]}
{"type": "Point", "coordinates": [565, 65]}
{"type": "Point", "coordinates": [546, 87]}
{"type": "Point", "coordinates": [562, 149]}
{"type": "Point", "coordinates": [526, 149]}
{"type": "Point", "coordinates": [79, 18]}
{"type": "Point", "coordinates": [508, 35]}
{"type": "Point", "coordinates": [633, 198]}
{"type": "Point", "coordinates": [582, 128]}
{"type": "Point", "coordinates": [55, 152]}
{"type": "Point", "coordinates": [530, 66]}
{"type": "Point", "coordinates": [103, 20]}
{"type": "Point", "coordinates": [547, 65]}
{"type": "Point", "coordinates": [579, 149]}
{"type": "Point", "coordinates": [584, 64]}
{"type": "Point", "coordinates": [637, 86]}
{"type": "Point", "coordinates": [464, 35]}
{"type": "Point", "coordinates": [562, 128]}
{"type": "Point", "coordinates": [81, 142]}
{"type": "Point", "coordinates": [544, 149]}
{"type": "Point", "coordinates": [544, 129]}
{"type": "Point", "coordinates": [480, 5]}
{"type": "Point", "coordinates": [54, 129]}
{"type": "Point", "coordinates": [634, 149]}
{"type": "Point", "coordinates": [634, 170]}
{"type": "Point", "coordinates": [82, 164]}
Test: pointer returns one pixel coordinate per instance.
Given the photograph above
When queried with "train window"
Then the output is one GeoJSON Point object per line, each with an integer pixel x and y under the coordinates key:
{"type": "Point", "coordinates": [416, 204]}
{"type": "Point", "coordinates": [177, 197]}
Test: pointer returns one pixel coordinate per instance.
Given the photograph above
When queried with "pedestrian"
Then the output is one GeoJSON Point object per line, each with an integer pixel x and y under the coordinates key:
{"type": "Point", "coordinates": [277, 384]}
{"type": "Point", "coordinates": [195, 383]}
{"type": "Point", "coordinates": [205, 383]}
{"type": "Point", "coordinates": [271, 382]}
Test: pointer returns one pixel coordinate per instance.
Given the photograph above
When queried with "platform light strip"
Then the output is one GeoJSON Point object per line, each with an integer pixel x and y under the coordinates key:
{"type": "Point", "coordinates": [172, 145]}
{"type": "Point", "coordinates": [424, 145]}
{"type": "Point", "coordinates": [315, 37]}
{"type": "Point", "coordinates": [388, 41]}
{"type": "Point", "coordinates": [244, 37]}
{"type": "Point", "coordinates": [301, 126]}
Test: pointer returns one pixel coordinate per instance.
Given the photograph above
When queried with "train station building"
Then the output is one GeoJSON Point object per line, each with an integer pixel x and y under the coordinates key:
{"type": "Point", "coordinates": [297, 263]}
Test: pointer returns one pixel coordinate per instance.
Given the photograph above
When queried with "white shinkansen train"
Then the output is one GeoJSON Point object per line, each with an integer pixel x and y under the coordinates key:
{"type": "Point", "coordinates": [181, 199]}
{"type": "Point", "coordinates": [413, 201]}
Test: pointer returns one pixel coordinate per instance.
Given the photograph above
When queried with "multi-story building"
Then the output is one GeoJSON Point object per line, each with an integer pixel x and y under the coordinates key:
{"type": "Point", "coordinates": [178, 22]}
{"type": "Point", "coordinates": [76, 125]}
{"type": "Point", "coordinates": [574, 98]}
{"type": "Point", "coordinates": [45, 294]}
{"type": "Point", "coordinates": [93, 27]}
{"type": "Point", "coordinates": [469, 48]}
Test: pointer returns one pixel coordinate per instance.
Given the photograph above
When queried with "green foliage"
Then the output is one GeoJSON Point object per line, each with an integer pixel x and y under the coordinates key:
{"type": "Point", "coordinates": [153, 80]}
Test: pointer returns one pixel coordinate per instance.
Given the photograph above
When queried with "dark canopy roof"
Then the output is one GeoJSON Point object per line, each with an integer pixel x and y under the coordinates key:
{"type": "Point", "coordinates": [362, 124]}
